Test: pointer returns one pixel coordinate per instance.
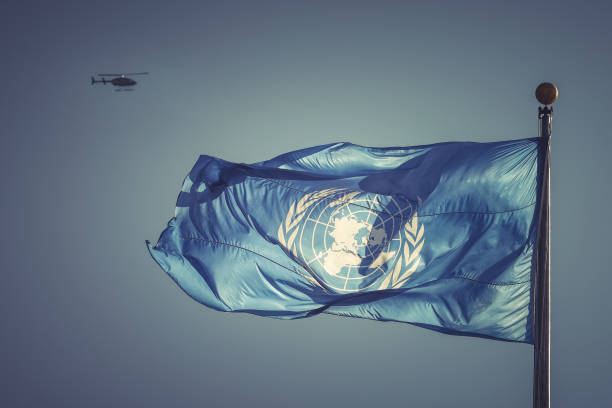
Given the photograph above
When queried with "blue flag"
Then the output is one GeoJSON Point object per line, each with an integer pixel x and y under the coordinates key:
{"type": "Point", "coordinates": [441, 236]}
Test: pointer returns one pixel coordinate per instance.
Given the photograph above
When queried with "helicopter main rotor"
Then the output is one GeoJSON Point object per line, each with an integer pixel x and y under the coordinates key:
{"type": "Point", "coordinates": [124, 75]}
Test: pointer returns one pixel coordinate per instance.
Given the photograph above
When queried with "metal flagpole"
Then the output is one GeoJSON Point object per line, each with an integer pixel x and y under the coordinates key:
{"type": "Point", "coordinates": [546, 93]}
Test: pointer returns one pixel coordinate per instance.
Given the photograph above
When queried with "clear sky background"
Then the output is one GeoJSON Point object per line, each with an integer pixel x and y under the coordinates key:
{"type": "Point", "coordinates": [87, 174]}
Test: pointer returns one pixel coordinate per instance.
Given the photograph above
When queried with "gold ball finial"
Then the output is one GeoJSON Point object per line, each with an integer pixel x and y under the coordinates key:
{"type": "Point", "coordinates": [546, 93]}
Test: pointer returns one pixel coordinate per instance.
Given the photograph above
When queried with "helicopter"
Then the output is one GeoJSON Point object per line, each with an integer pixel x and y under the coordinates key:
{"type": "Point", "coordinates": [121, 80]}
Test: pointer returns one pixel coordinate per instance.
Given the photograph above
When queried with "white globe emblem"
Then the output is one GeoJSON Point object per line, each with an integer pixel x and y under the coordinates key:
{"type": "Point", "coordinates": [352, 241]}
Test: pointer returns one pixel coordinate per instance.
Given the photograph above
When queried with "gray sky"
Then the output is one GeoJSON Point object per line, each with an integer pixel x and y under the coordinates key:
{"type": "Point", "coordinates": [89, 173]}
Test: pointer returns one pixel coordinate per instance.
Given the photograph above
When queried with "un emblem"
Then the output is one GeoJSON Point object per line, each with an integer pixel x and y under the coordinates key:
{"type": "Point", "coordinates": [352, 241]}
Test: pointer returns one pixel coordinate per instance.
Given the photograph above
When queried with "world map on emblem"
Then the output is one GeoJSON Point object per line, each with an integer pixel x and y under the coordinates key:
{"type": "Point", "coordinates": [354, 241]}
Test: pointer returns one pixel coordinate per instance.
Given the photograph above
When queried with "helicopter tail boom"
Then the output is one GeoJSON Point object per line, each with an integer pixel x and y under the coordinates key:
{"type": "Point", "coordinates": [94, 81]}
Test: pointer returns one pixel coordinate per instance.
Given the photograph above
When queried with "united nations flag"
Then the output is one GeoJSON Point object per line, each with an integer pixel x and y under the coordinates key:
{"type": "Point", "coordinates": [440, 236]}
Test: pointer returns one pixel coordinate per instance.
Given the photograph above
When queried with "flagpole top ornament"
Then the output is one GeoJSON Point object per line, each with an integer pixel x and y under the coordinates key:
{"type": "Point", "coordinates": [546, 93]}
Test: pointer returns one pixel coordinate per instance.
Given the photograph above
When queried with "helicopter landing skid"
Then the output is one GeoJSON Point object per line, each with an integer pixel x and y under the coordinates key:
{"type": "Point", "coordinates": [123, 90]}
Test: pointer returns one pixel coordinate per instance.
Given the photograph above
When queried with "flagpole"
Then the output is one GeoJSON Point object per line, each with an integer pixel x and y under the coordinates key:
{"type": "Point", "coordinates": [546, 93]}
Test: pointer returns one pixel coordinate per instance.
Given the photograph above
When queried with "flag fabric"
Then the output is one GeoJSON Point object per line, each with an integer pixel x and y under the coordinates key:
{"type": "Point", "coordinates": [441, 236]}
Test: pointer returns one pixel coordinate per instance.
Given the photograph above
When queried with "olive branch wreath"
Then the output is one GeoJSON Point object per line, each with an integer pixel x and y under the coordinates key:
{"type": "Point", "coordinates": [409, 259]}
{"type": "Point", "coordinates": [404, 267]}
